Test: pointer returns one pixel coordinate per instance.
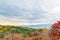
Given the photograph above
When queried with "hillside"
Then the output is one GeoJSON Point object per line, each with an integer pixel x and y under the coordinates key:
{"type": "Point", "coordinates": [19, 32]}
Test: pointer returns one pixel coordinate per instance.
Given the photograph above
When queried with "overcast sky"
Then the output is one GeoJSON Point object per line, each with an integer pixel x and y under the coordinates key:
{"type": "Point", "coordinates": [24, 12]}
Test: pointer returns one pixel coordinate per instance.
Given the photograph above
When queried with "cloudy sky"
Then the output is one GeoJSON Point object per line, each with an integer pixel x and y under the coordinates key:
{"type": "Point", "coordinates": [24, 12]}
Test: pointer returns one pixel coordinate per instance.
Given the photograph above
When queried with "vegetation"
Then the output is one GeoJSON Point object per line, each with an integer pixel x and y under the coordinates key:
{"type": "Point", "coordinates": [18, 33]}
{"type": "Point", "coordinates": [24, 33]}
{"type": "Point", "coordinates": [15, 29]}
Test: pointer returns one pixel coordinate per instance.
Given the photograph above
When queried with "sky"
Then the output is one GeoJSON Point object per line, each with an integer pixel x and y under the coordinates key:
{"type": "Point", "coordinates": [27, 12]}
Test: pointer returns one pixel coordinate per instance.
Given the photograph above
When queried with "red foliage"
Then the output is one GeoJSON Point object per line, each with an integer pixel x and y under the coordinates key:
{"type": "Point", "coordinates": [55, 32]}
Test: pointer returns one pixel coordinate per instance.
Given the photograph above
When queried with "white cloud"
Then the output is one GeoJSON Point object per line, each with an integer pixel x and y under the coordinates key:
{"type": "Point", "coordinates": [31, 11]}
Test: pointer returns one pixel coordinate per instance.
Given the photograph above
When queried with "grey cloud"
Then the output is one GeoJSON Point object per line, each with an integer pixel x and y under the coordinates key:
{"type": "Point", "coordinates": [12, 11]}
{"type": "Point", "coordinates": [15, 12]}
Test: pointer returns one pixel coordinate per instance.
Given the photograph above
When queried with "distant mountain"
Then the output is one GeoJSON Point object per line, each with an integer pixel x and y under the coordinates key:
{"type": "Point", "coordinates": [39, 26]}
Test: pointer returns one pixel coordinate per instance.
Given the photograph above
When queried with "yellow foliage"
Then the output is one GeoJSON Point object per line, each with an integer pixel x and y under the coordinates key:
{"type": "Point", "coordinates": [5, 29]}
{"type": "Point", "coordinates": [1, 27]}
{"type": "Point", "coordinates": [1, 31]}
{"type": "Point", "coordinates": [45, 30]}
{"type": "Point", "coordinates": [14, 28]}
